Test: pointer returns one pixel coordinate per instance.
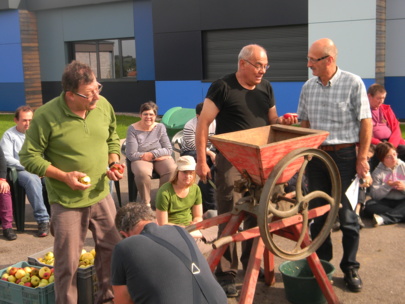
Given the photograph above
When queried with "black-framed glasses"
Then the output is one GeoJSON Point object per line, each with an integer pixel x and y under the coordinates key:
{"type": "Point", "coordinates": [313, 60]}
{"type": "Point", "coordinates": [90, 97]}
{"type": "Point", "coordinates": [258, 66]}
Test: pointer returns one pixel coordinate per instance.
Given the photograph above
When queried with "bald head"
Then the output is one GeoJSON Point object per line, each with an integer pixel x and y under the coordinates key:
{"type": "Point", "coordinates": [249, 50]}
{"type": "Point", "coordinates": [325, 46]}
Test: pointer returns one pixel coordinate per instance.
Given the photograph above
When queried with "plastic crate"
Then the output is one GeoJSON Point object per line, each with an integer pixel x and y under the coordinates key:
{"type": "Point", "coordinates": [86, 279]}
{"type": "Point", "coordinates": [11, 293]}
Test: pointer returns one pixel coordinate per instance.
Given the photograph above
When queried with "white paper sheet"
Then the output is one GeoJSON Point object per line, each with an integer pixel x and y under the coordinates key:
{"type": "Point", "coordinates": [352, 192]}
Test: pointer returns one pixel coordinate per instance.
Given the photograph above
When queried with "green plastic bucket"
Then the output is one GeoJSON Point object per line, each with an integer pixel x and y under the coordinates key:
{"type": "Point", "coordinates": [300, 284]}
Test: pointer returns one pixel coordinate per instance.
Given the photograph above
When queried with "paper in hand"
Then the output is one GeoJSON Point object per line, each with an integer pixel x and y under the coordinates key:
{"type": "Point", "coordinates": [352, 192]}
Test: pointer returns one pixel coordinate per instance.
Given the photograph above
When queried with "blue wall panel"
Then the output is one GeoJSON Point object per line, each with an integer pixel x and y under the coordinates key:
{"type": "Point", "coordinates": [186, 94]}
{"type": "Point", "coordinates": [12, 96]}
{"type": "Point", "coordinates": [9, 27]}
{"type": "Point", "coordinates": [395, 95]}
{"type": "Point", "coordinates": [287, 96]}
{"type": "Point", "coordinates": [11, 63]}
{"type": "Point", "coordinates": [143, 31]}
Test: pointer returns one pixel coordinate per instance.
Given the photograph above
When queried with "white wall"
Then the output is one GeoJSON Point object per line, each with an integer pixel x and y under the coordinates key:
{"type": "Point", "coordinates": [55, 27]}
{"type": "Point", "coordinates": [352, 26]}
{"type": "Point", "coordinates": [395, 62]}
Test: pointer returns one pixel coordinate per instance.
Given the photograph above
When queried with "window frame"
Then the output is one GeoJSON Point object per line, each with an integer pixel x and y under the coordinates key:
{"type": "Point", "coordinates": [97, 42]}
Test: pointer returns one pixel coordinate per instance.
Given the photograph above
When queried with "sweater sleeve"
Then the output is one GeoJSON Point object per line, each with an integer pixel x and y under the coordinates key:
{"type": "Point", "coordinates": [9, 150]}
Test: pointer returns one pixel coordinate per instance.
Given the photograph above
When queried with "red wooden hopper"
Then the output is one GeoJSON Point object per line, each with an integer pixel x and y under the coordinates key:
{"type": "Point", "coordinates": [258, 150]}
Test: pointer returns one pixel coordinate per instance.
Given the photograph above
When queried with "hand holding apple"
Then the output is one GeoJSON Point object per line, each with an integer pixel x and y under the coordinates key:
{"type": "Point", "coordinates": [115, 172]}
{"type": "Point", "coordinates": [118, 167]}
{"type": "Point", "coordinates": [289, 119]}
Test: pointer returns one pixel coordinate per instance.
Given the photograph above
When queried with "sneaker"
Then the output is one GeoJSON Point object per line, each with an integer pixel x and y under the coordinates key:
{"type": "Point", "coordinates": [9, 234]}
{"type": "Point", "coordinates": [360, 222]}
{"type": "Point", "coordinates": [353, 280]}
{"type": "Point", "coordinates": [228, 285]}
{"type": "Point", "coordinates": [377, 220]}
{"type": "Point", "coordinates": [43, 229]}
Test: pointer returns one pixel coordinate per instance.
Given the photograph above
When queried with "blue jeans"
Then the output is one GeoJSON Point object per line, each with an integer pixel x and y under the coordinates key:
{"type": "Point", "coordinates": [318, 179]}
{"type": "Point", "coordinates": [33, 188]}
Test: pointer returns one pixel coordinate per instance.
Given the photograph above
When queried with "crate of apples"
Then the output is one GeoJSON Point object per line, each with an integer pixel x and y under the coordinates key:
{"type": "Point", "coordinates": [28, 275]}
{"type": "Point", "coordinates": [47, 257]}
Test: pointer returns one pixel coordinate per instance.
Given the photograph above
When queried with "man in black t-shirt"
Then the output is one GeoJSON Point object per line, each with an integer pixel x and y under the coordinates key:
{"type": "Point", "coordinates": [146, 269]}
{"type": "Point", "coordinates": [238, 101]}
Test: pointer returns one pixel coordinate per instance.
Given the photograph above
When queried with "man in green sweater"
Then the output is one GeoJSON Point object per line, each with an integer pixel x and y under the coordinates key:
{"type": "Point", "coordinates": [73, 136]}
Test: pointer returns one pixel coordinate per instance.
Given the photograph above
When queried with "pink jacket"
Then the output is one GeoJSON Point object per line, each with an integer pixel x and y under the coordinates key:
{"type": "Point", "coordinates": [393, 124]}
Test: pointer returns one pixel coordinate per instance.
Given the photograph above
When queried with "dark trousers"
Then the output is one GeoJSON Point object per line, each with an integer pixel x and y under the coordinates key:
{"type": "Point", "coordinates": [226, 199]}
{"type": "Point", "coordinates": [318, 179]}
{"type": "Point", "coordinates": [392, 211]}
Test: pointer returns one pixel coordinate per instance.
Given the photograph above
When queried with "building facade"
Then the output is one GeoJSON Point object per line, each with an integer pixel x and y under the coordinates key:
{"type": "Point", "coordinates": [171, 51]}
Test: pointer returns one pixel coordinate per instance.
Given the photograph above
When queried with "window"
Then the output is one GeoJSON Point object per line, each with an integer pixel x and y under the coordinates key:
{"type": "Point", "coordinates": [287, 48]}
{"type": "Point", "coordinates": [109, 59]}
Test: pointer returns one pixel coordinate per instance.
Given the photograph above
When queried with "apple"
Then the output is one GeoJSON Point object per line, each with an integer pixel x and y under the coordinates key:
{"type": "Point", "coordinates": [51, 279]}
{"type": "Point", "coordinates": [8, 269]}
{"type": "Point", "coordinates": [27, 269]}
{"type": "Point", "coordinates": [26, 278]}
{"type": "Point", "coordinates": [35, 280]}
{"type": "Point", "coordinates": [11, 279]}
{"type": "Point", "coordinates": [290, 115]}
{"type": "Point", "coordinates": [28, 284]}
{"type": "Point", "coordinates": [20, 273]}
{"type": "Point", "coordinates": [45, 272]}
{"type": "Point", "coordinates": [34, 271]}
{"type": "Point", "coordinates": [85, 180]}
{"type": "Point", "coordinates": [12, 270]}
{"type": "Point", "coordinates": [117, 167]}
{"type": "Point", "coordinates": [20, 283]}
{"type": "Point", "coordinates": [5, 279]}
{"type": "Point", "coordinates": [5, 275]}
{"type": "Point", "coordinates": [46, 275]}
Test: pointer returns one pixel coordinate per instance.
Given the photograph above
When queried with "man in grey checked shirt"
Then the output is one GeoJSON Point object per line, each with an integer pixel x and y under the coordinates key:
{"type": "Point", "coordinates": [336, 101]}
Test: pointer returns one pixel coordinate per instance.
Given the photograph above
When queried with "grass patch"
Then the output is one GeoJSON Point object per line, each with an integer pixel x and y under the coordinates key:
{"type": "Point", "coordinates": [123, 122]}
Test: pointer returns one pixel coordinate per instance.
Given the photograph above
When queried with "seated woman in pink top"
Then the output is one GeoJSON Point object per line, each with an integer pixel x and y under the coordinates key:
{"type": "Point", "coordinates": [386, 126]}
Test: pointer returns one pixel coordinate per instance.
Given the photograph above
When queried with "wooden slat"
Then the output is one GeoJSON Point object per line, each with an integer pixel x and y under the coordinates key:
{"type": "Point", "coordinates": [31, 65]}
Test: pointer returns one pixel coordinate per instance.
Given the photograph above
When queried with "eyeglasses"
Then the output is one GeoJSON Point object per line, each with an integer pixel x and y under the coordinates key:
{"type": "Point", "coordinates": [258, 66]}
{"type": "Point", "coordinates": [317, 60]}
{"type": "Point", "coordinates": [90, 97]}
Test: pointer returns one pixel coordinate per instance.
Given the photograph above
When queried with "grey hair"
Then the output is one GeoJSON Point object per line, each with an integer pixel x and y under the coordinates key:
{"type": "Point", "coordinates": [247, 51]}
{"type": "Point", "coordinates": [131, 214]}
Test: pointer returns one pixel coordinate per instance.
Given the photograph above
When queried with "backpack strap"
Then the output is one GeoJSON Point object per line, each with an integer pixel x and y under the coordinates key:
{"type": "Point", "coordinates": [191, 265]}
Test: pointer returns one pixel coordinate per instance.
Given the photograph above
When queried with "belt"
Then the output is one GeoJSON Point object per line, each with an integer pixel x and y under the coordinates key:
{"type": "Point", "coordinates": [335, 147]}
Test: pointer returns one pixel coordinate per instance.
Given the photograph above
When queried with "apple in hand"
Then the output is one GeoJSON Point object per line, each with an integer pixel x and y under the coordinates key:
{"type": "Point", "coordinates": [117, 167]}
{"type": "Point", "coordinates": [85, 180]}
{"type": "Point", "coordinates": [290, 115]}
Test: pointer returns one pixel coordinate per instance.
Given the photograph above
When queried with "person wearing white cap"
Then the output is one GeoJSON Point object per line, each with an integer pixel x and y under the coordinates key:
{"type": "Point", "coordinates": [179, 202]}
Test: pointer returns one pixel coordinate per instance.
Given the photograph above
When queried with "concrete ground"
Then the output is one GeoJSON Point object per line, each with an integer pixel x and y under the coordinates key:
{"type": "Point", "coordinates": [381, 255]}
